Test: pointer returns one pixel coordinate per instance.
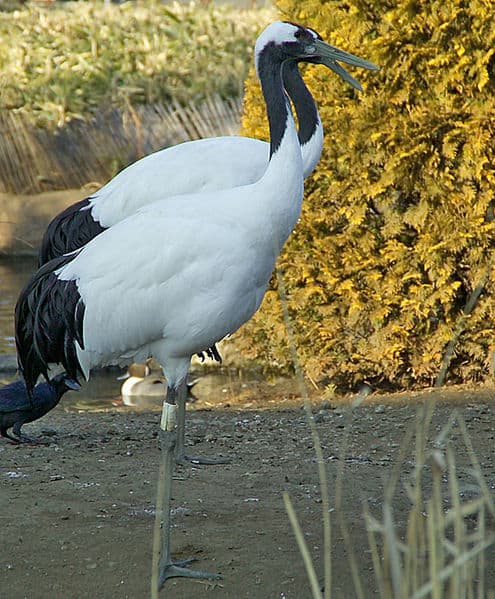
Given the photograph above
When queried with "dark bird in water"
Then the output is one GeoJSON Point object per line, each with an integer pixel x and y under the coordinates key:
{"type": "Point", "coordinates": [16, 408]}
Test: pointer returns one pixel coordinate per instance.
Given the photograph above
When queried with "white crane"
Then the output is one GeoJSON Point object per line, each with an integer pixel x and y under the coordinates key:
{"type": "Point", "coordinates": [195, 166]}
{"type": "Point", "coordinates": [180, 274]}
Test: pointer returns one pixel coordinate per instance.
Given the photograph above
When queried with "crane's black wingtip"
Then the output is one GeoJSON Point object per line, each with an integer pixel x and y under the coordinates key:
{"type": "Point", "coordinates": [48, 323]}
{"type": "Point", "coordinates": [69, 230]}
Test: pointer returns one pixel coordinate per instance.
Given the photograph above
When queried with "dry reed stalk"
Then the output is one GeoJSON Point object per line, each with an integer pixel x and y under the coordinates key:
{"type": "Point", "coordinates": [372, 529]}
{"type": "Point", "coordinates": [322, 474]}
{"type": "Point", "coordinates": [303, 548]}
{"type": "Point", "coordinates": [34, 160]}
{"type": "Point", "coordinates": [443, 568]}
{"type": "Point", "coordinates": [358, 587]}
{"type": "Point", "coordinates": [160, 494]}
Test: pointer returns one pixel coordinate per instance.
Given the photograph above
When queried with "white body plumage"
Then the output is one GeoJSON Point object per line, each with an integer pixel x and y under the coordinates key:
{"type": "Point", "coordinates": [214, 163]}
{"type": "Point", "coordinates": [181, 273]}
{"type": "Point", "coordinates": [223, 245]}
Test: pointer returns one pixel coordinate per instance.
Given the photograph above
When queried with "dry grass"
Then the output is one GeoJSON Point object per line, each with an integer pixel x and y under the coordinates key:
{"type": "Point", "coordinates": [86, 88]}
{"type": "Point", "coordinates": [440, 554]}
{"type": "Point", "coordinates": [443, 552]}
{"type": "Point", "coordinates": [69, 59]}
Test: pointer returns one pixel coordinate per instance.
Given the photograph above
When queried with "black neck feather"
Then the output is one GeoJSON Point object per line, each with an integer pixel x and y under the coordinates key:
{"type": "Point", "coordinates": [307, 113]}
{"type": "Point", "coordinates": [270, 63]}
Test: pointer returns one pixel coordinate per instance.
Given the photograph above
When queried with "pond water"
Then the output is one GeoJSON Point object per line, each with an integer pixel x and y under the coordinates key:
{"type": "Point", "coordinates": [14, 273]}
{"type": "Point", "coordinates": [101, 392]}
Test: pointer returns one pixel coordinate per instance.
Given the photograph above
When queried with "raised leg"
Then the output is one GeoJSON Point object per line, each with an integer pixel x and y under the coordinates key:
{"type": "Point", "coordinates": [168, 439]}
{"type": "Point", "coordinates": [180, 453]}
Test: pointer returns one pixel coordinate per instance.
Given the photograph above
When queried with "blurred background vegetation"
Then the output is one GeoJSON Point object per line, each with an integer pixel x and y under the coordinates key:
{"type": "Point", "coordinates": [88, 87]}
{"type": "Point", "coordinates": [69, 60]}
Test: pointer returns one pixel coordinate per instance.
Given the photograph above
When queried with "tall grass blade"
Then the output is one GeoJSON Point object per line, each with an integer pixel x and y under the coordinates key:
{"type": "Point", "coordinates": [303, 548]}
{"type": "Point", "coordinates": [155, 561]}
{"type": "Point", "coordinates": [447, 572]}
{"type": "Point", "coordinates": [322, 473]}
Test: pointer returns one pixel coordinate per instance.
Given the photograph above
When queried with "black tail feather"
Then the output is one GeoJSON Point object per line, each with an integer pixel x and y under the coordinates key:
{"type": "Point", "coordinates": [48, 322]}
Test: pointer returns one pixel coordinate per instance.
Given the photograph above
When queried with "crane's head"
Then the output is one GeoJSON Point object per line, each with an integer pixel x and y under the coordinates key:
{"type": "Point", "coordinates": [289, 41]}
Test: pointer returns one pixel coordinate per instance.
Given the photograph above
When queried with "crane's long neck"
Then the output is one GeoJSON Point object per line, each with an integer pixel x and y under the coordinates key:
{"type": "Point", "coordinates": [310, 131]}
{"type": "Point", "coordinates": [283, 180]}
{"type": "Point", "coordinates": [277, 107]}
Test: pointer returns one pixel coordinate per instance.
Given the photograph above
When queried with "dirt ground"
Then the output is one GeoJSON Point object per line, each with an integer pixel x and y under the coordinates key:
{"type": "Point", "coordinates": [77, 509]}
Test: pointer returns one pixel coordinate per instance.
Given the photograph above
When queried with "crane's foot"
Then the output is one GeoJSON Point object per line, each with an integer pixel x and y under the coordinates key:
{"type": "Point", "coordinates": [186, 460]}
{"type": "Point", "coordinates": [179, 569]}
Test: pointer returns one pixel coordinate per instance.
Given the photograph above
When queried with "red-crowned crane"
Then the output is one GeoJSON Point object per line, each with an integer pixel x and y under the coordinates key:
{"type": "Point", "coordinates": [195, 166]}
{"type": "Point", "coordinates": [178, 275]}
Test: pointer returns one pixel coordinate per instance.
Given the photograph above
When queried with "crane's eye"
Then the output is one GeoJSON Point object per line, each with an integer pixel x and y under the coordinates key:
{"type": "Point", "coordinates": [298, 34]}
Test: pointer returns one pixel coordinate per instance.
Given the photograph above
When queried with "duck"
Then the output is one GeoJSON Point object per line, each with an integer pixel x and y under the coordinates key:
{"type": "Point", "coordinates": [144, 379]}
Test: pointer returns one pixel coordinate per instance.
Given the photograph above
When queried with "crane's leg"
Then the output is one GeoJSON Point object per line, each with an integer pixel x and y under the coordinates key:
{"type": "Point", "coordinates": [180, 455]}
{"type": "Point", "coordinates": [168, 438]}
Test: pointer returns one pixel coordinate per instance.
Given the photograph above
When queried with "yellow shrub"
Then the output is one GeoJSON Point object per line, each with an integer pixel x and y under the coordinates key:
{"type": "Point", "coordinates": [397, 225]}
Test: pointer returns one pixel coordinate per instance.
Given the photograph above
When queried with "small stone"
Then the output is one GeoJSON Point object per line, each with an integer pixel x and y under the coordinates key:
{"type": "Point", "coordinates": [48, 432]}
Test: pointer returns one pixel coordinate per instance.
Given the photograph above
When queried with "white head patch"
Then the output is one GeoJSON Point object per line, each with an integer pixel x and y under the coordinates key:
{"type": "Point", "coordinates": [278, 32]}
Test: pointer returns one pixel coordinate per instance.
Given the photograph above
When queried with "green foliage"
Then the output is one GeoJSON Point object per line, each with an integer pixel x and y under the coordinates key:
{"type": "Point", "coordinates": [69, 59]}
{"type": "Point", "coordinates": [397, 226]}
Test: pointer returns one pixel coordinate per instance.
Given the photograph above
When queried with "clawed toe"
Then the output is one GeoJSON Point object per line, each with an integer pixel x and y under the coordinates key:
{"type": "Point", "coordinates": [179, 569]}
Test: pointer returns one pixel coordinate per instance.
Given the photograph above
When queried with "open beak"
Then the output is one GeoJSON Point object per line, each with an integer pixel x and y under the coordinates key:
{"type": "Point", "coordinates": [330, 56]}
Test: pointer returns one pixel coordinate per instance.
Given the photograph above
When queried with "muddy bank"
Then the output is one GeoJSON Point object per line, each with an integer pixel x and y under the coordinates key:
{"type": "Point", "coordinates": [77, 510]}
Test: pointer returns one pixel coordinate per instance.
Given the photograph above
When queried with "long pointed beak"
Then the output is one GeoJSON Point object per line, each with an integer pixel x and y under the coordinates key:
{"type": "Point", "coordinates": [329, 55]}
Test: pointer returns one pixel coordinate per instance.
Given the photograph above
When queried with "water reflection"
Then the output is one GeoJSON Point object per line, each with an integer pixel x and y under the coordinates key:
{"type": "Point", "coordinates": [143, 382]}
{"type": "Point", "coordinates": [209, 388]}
{"type": "Point", "coordinates": [100, 393]}
{"type": "Point", "coordinates": [14, 274]}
